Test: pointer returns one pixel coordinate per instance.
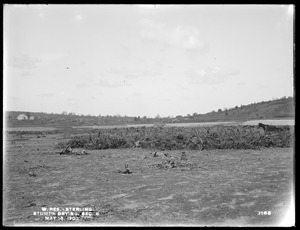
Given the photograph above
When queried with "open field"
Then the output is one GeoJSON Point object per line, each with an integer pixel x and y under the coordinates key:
{"type": "Point", "coordinates": [209, 187]}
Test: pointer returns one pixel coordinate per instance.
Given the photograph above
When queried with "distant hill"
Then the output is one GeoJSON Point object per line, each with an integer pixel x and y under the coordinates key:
{"type": "Point", "coordinates": [71, 119]}
{"type": "Point", "coordinates": [274, 109]}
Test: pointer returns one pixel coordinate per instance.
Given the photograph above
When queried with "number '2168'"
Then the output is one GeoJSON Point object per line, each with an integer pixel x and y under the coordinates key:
{"type": "Point", "coordinates": [264, 213]}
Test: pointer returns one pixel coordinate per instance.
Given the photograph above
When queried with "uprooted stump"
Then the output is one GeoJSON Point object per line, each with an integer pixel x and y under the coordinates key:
{"type": "Point", "coordinates": [269, 128]}
{"type": "Point", "coordinates": [173, 163]}
{"type": "Point", "coordinates": [127, 171]}
{"type": "Point", "coordinates": [66, 150]}
{"type": "Point", "coordinates": [69, 151]}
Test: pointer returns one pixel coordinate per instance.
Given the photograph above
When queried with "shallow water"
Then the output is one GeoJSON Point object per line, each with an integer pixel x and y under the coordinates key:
{"type": "Point", "coordinates": [10, 129]}
{"type": "Point", "coordinates": [196, 124]}
{"type": "Point", "coordinates": [200, 124]}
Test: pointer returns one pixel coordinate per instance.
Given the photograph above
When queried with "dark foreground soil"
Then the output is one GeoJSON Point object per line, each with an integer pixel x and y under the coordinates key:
{"type": "Point", "coordinates": [210, 187]}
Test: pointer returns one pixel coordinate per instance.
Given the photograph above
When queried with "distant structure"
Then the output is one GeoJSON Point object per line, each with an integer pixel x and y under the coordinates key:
{"type": "Point", "coordinates": [22, 117]}
{"type": "Point", "coordinates": [31, 118]}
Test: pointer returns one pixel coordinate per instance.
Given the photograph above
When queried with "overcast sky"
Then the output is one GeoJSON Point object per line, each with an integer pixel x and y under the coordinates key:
{"type": "Point", "coordinates": [144, 60]}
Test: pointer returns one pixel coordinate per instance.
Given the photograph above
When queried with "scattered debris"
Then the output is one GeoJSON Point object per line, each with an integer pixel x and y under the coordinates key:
{"type": "Point", "coordinates": [183, 156]}
{"type": "Point", "coordinates": [173, 163]}
{"type": "Point", "coordinates": [137, 144]}
{"type": "Point", "coordinates": [167, 154]}
{"type": "Point", "coordinates": [32, 204]}
{"type": "Point", "coordinates": [31, 173]}
{"type": "Point", "coordinates": [241, 158]}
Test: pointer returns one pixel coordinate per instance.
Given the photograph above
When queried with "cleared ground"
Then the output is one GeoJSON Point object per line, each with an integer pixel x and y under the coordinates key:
{"type": "Point", "coordinates": [217, 187]}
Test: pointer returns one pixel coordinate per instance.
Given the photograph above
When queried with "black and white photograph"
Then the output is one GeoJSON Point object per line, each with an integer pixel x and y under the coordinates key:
{"type": "Point", "coordinates": [178, 115]}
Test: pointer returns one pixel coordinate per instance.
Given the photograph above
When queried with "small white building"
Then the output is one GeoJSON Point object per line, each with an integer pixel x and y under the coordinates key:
{"type": "Point", "coordinates": [31, 118]}
{"type": "Point", "coordinates": [22, 117]}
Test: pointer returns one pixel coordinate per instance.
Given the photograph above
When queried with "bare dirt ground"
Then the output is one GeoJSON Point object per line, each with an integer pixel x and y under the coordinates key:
{"type": "Point", "coordinates": [217, 187]}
